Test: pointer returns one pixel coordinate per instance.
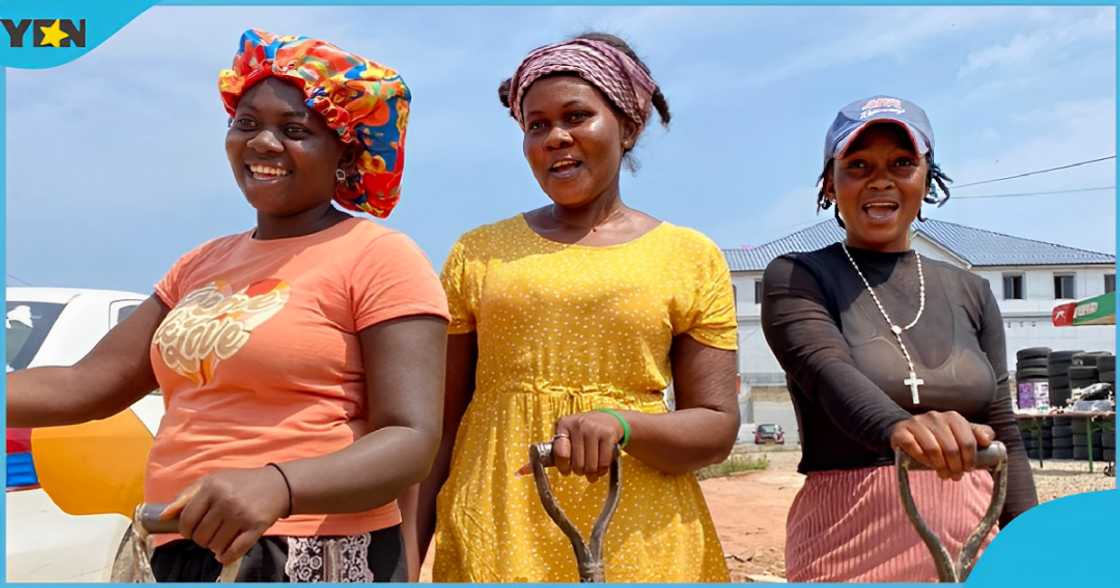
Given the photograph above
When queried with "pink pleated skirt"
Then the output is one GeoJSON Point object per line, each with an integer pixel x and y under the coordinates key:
{"type": "Point", "coordinates": [850, 526]}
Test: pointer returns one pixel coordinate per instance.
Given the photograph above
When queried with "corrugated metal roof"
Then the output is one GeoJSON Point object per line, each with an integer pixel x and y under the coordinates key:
{"type": "Point", "coordinates": [978, 247]}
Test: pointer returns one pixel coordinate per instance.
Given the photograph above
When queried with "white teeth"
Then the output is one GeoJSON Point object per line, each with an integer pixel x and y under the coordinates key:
{"type": "Point", "coordinates": [560, 165]}
{"type": "Point", "coordinates": [266, 170]}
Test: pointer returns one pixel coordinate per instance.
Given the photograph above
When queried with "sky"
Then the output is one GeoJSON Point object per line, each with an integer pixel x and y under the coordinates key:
{"type": "Point", "coordinates": [116, 164]}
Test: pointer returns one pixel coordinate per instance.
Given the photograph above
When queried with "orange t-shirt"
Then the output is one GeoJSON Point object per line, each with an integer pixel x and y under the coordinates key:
{"type": "Point", "coordinates": [259, 358]}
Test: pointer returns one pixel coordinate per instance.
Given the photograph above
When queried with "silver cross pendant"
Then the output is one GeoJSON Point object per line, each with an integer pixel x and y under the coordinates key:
{"type": "Point", "coordinates": [914, 381]}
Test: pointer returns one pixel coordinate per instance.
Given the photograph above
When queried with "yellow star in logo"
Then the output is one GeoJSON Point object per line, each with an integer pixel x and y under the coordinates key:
{"type": "Point", "coordinates": [52, 35]}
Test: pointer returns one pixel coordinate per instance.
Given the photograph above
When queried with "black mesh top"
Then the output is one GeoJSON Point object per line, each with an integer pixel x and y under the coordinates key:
{"type": "Point", "coordinates": [845, 369]}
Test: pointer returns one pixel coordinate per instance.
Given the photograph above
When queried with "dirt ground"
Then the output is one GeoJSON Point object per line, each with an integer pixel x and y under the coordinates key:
{"type": "Point", "coordinates": [750, 508]}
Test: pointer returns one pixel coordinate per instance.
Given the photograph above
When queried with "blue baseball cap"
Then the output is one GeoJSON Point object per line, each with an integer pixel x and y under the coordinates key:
{"type": "Point", "coordinates": [857, 116]}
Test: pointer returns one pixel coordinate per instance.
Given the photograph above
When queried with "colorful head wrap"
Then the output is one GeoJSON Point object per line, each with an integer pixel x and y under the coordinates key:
{"type": "Point", "coordinates": [614, 73]}
{"type": "Point", "coordinates": [360, 99]}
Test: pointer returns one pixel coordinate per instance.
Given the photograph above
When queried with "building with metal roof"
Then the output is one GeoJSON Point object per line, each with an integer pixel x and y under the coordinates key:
{"type": "Point", "coordinates": [1027, 276]}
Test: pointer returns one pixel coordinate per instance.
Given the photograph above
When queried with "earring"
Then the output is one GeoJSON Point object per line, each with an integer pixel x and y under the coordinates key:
{"type": "Point", "coordinates": [340, 175]}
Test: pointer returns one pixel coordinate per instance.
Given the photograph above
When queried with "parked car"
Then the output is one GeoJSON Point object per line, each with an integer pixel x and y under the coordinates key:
{"type": "Point", "coordinates": [58, 326]}
{"type": "Point", "coordinates": [767, 433]}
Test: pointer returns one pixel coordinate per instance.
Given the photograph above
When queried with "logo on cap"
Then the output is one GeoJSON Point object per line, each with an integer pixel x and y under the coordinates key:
{"type": "Point", "coordinates": [879, 105]}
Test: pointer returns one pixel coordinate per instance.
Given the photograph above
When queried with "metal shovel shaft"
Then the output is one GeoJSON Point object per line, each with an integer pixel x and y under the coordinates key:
{"type": "Point", "coordinates": [589, 556]}
{"type": "Point", "coordinates": [994, 458]}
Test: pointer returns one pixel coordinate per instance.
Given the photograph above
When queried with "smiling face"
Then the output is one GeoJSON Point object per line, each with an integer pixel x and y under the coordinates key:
{"type": "Point", "coordinates": [574, 140]}
{"type": "Point", "coordinates": [283, 155]}
{"type": "Point", "coordinates": [878, 186]}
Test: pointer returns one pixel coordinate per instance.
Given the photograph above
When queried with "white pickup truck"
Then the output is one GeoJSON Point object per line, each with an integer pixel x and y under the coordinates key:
{"type": "Point", "coordinates": [54, 327]}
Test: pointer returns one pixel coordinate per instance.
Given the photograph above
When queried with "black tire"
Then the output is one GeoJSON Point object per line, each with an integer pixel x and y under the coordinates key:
{"type": "Point", "coordinates": [1080, 452]}
{"type": "Point", "coordinates": [1080, 440]}
{"type": "Point", "coordinates": [1106, 363]}
{"type": "Point", "coordinates": [1083, 359]}
{"type": "Point", "coordinates": [1040, 364]}
{"type": "Point", "coordinates": [1030, 352]}
{"type": "Point", "coordinates": [1058, 381]}
{"type": "Point", "coordinates": [1033, 373]}
{"type": "Point", "coordinates": [1064, 355]}
{"type": "Point", "coordinates": [1108, 440]}
{"type": "Point", "coordinates": [1062, 421]}
{"type": "Point", "coordinates": [1108, 455]}
{"type": "Point", "coordinates": [1080, 427]}
{"type": "Point", "coordinates": [1098, 453]}
{"type": "Point", "coordinates": [1032, 453]}
{"type": "Point", "coordinates": [1109, 376]}
{"type": "Point", "coordinates": [1062, 443]}
{"type": "Point", "coordinates": [1060, 370]}
{"type": "Point", "coordinates": [1047, 453]}
{"type": "Point", "coordinates": [1059, 396]}
{"type": "Point", "coordinates": [1098, 438]}
{"type": "Point", "coordinates": [1082, 373]}
{"type": "Point", "coordinates": [1062, 453]}
{"type": "Point", "coordinates": [1062, 431]}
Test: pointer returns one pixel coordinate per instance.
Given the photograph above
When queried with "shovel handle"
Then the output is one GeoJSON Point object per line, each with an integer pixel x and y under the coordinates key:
{"type": "Point", "coordinates": [589, 554]}
{"type": "Point", "coordinates": [994, 458]}
{"type": "Point", "coordinates": [988, 458]}
{"type": "Point", "coordinates": [148, 514]}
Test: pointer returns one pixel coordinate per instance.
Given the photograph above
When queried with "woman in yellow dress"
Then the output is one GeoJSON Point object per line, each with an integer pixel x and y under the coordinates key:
{"type": "Point", "coordinates": [568, 322]}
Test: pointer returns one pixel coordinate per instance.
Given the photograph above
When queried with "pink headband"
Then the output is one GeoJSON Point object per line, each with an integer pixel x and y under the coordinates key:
{"type": "Point", "coordinates": [614, 73]}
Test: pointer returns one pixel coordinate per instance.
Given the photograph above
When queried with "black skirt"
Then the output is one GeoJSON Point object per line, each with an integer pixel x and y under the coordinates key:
{"type": "Point", "coordinates": [377, 556]}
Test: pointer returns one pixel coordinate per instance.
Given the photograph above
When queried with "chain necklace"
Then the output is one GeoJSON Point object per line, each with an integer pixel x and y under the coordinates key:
{"type": "Point", "coordinates": [913, 381]}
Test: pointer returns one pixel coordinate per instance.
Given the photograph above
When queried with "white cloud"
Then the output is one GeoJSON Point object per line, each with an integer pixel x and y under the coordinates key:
{"type": "Point", "coordinates": [1043, 44]}
{"type": "Point", "coordinates": [883, 33]}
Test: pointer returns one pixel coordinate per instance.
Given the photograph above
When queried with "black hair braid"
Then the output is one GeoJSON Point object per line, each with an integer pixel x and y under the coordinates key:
{"type": "Point", "coordinates": [937, 189]}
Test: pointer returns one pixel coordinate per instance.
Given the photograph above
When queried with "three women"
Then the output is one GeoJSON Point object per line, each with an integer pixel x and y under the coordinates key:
{"type": "Point", "coordinates": [302, 361]}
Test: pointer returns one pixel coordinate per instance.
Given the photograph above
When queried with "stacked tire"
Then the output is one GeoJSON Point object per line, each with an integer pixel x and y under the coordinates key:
{"type": "Point", "coordinates": [1106, 369]}
{"type": "Point", "coordinates": [1083, 369]}
{"type": "Point", "coordinates": [1031, 365]}
{"type": "Point", "coordinates": [1036, 447]}
{"type": "Point", "coordinates": [1108, 445]}
{"type": "Point", "coordinates": [1057, 369]}
{"type": "Point", "coordinates": [1081, 440]}
{"type": "Point", "coordinates": [1062, 438]}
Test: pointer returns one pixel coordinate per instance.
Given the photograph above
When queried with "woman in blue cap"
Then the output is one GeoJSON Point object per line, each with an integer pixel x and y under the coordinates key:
{"type": "Point", "coordinates": [884, 350]}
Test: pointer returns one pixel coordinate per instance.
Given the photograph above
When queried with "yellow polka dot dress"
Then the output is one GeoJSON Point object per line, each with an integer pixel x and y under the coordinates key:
{"type": "Point", "coordinates": [564, 329]}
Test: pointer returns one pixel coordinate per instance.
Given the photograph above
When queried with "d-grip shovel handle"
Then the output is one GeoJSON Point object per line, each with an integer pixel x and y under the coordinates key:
{"type": "Point", "coordinates": [146, 522]}
{"type": "Point", "coordinates": [994, 458]}
{"type": "Point", "coordinates": [147, 516]}
{"type": "Point", "coordinates": [588, 557]}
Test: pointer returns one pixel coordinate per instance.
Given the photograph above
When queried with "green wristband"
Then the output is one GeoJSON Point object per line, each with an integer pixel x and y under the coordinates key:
{"type": "Point", "coordinates": [625, 426]}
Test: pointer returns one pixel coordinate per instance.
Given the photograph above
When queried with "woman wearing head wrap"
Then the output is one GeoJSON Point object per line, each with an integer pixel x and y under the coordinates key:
{"type": "Point", "coordinates": [295, 359]}
{"type": "Point", "coordinates": [568, 322]}
{"type": "Point", "coordinates": [887, 349]}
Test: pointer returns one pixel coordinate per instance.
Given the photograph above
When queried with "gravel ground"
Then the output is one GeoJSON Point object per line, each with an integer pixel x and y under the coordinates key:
{"type": "Point", "coordinates": [1060, 477]}
{"type": "Point", "coordinates": [749, 509]}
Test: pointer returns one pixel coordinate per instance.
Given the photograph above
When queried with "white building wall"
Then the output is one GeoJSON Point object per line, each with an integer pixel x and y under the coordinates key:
{"type": "Point", "coordinates": [931, 250]}
{"type": "Point", "coordinates": [1026, 322]}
